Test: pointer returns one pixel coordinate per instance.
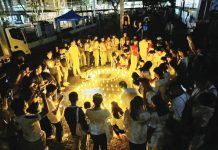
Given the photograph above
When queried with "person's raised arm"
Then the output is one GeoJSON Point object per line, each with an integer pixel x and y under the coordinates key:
{"type": "Point", "coordinates": [135, 24]}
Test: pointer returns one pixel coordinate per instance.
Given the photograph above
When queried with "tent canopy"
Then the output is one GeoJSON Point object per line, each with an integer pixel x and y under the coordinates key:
{"type": "Point", "coordinates": [69, 16]}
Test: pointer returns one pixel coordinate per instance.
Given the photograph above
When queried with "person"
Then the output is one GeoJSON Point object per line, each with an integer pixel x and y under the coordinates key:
{"type": "Point", "coordinates": [115, 43]}
{"type": "Point", "coordinates": [54, 114]}
{"type": "Point", "coordinates": [143, 49]}
{"type": "Point", "coordinates": [135, 122]}
{"type": "Point", "coordinates": [53, 67]}
{"type": "Point", "coordinates": [134, 56]}
{"type": "Point", "coordinates": [123, 41]}
{"type": "Point", "coordinates": [117, 119]}
{"type": "Point", "coordinates": [169, 29]}
{"type": "Point", "coordinates": [87, 52]}
{"type": "Point", "coordinates": [127, 94]}
{"type": "Point", "coordinates": [145, 70]}
{"type": "Point", "coordinates": [108, 45]}
{"type": "Point", "coordinates": [75, 55]}
{"type": "Point", "coordinates": [202, 114]}
{"type": "Point", "coordinates": [139, 31]}
{"type": "Point", "coordinates": [91, 47]}
{"type": "Point", "coordinates": [146, 91]}
{"type": "Point", "coordinates": [22, 75]}
{"type": "Point", "coordinates": [191, 44]}
{"type": "Point", "coordinates": [36, 80]}
{"type": "Point", "coordinates": [98, 118]}
{"type": "Point", "coordinates": [96, 51]}
{"type": "Point", "coordinates": [82, 53]}
{"type": "Point", "coordinates": [124, 63]}
{"type": "Point", "coordinates": [114, 60]}
{"type": "Point", "coordinates": [162, 80]}
{"type": "Point", "coordinates": [179, 98]}
{"type": "Point", "coordinates": [64, 66]}
{"type": "Point", "coordinates": [33, 137]}
{"type": "Point", "coordinates": [126, 23]}
{"type": "Point", "coordinates": [70, 115]}
{"type": "Point", "coordinates": [103, 52]}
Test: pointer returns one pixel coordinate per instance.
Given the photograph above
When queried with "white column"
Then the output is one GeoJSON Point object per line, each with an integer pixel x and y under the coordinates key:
{"type": "Point", "coordinates": [94, 5]}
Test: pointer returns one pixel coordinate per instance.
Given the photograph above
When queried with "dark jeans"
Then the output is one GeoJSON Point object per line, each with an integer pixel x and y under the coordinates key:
{"type": "Point", "coordinates": [99, 140]}
{"type": "Point", "coordinates": [59, 131]}
{"type": "Point", "coordinates": [46, 126]}
{"type": "Point", "coordinates": [133, 146]}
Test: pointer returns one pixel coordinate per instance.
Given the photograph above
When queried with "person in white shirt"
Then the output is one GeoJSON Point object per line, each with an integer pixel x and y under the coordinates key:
{"type": "Point", "coordinates": [127, 95]}
{"type": "Point", "coordinates": [74, 56]}
{"type": "Point", "coordinates": [103, 52]}
{"type": "Point", "coordinates": [98, 118]}
{"type": "Point", "coordinates": [96, 51]}
{"type": "Point", "coordinates": [87, 52]}
{"type": "Point", "coordinates": [108, 45]}
{"type": "Point", "coordinates": [54, 114]}
{"type": "Point", "coordinates": [33, 137]}
{"type": "Point", "coordinates": [143, 49]}
{"type": "Point", "coordinates": [136, 120]}
{"type": "Point", "coordinates": [179, 98]}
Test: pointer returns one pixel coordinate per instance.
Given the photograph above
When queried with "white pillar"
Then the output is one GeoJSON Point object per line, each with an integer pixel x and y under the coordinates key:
{"type": "Point", "coordinates": [94, 5]}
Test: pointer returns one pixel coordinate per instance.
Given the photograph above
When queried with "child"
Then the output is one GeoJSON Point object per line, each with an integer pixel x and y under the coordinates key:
{"type": "Point", "coordinates": [123, 62]}
{"type": "Point", "coordinates": [114, 60]}
{"type": "Point", "coordinates": [87, 105]}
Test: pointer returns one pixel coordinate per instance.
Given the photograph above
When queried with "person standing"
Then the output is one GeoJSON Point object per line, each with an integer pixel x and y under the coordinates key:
{"type": "Point", "coordinates": [123, 41]}
{"type": "Point", "coordinates": [115, 43]}
{"type": "Point", "coordinates": [108, 45]}
{"type": "Point", "coordinates": [71, 113]}
{"type": "Point", "coordinates": [126, 23]}
{"type": "Point", "coordinates": [134, 56]}
{"type": "Point", "coordinates": [53, 66]}
{"type": "Point", "coordinates": [87, 51]}
{"type": "Point", "coordinates": [98, 118]}
{"type": "Point", "coordinates": [82, 53]}
{"type": "Point", "coordinates": [33, 137]}
{"type": "Point", "coordinates": [96, 51]}
{"type": "Point", "coordinates": [64, 66]}
{"type": "Point", "coordinates": [54, 114]}
{"type": "Point", "coordinates": [143, 49]}
{"type": "Point", "coordinates": [139, 31]}
{"type": "Point", "coordinates": [75, 55]}
{"type": "Point", "coordinates": [127, 94]}
{"type": "Point", "coordinates": [103, 52]}
{"type": "Point", "coordinates": [135, 121]}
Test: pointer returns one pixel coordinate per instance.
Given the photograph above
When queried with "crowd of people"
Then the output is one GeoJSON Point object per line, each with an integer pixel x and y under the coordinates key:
{"type": "Point", "coordinates": [172, 104]}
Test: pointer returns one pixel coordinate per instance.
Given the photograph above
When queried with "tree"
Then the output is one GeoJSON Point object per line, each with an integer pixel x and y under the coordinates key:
{"type": "Point", "coordinates": [114, 3]}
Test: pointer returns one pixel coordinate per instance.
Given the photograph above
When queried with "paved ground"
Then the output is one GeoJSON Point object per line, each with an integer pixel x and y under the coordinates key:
{"type": "Point", "coordinates": [105, 80]}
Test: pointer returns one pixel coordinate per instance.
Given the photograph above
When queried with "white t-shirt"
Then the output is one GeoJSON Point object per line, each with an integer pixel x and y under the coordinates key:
{"type": "Point", "coordinates": [54, 118]}
{"type": "Point", "coordinates": [178, 105]}
{"type": "Point", "coordinates": [136, 131]}
{"type": "Point", "coordinates": [97, 119]}
{"type": "Point", "coordinates": [127, 95]}
{"type": "Point", "coordinates": [30, 126]}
